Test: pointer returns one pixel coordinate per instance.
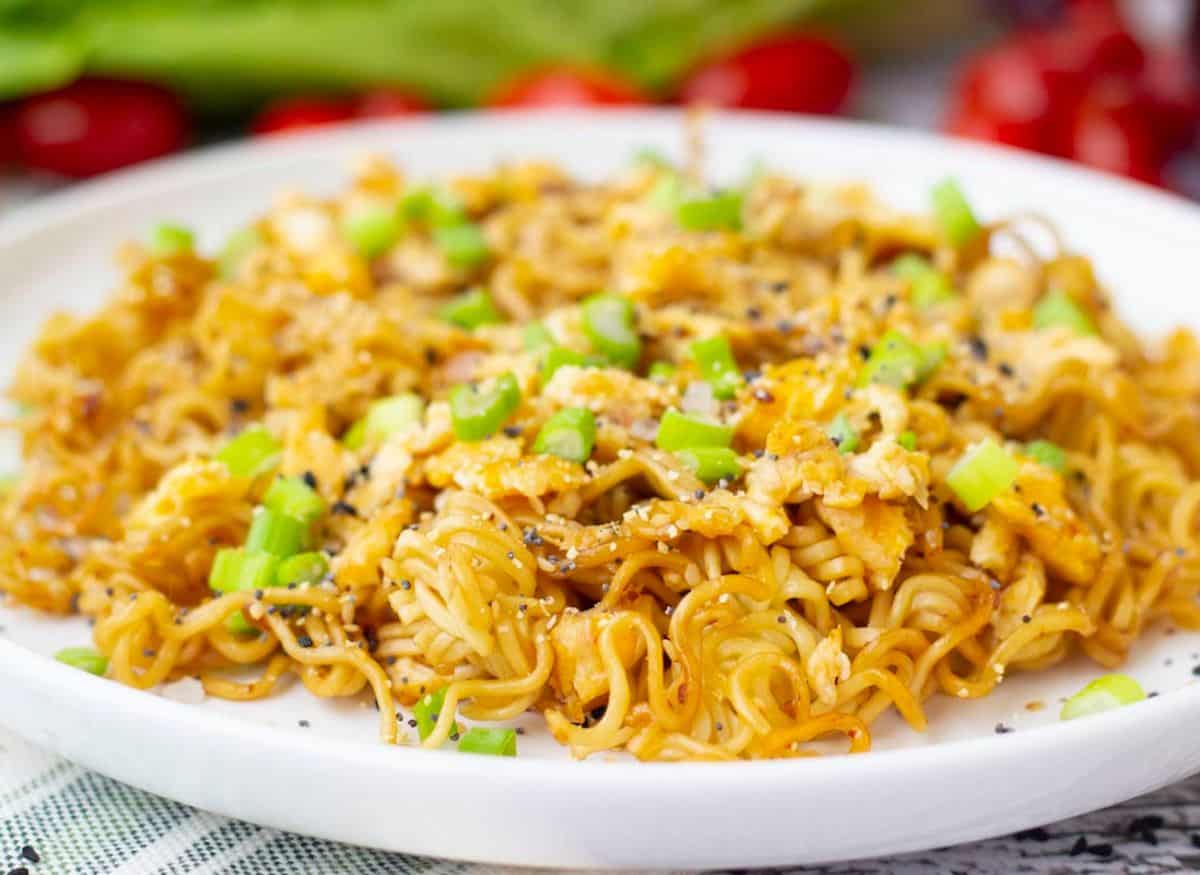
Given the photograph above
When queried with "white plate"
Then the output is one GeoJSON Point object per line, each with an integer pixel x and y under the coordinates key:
{"type": "Point", "coordinates": [958, 782]}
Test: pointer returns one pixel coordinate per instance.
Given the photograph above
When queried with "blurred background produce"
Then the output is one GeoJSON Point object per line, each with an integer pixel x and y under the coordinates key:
{"type": "Point", "coordinates": [88, 86]}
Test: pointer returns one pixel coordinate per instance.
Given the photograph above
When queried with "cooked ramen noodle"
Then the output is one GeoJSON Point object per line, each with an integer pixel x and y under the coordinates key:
{"type": "Point", "coordinates": [694, 472]}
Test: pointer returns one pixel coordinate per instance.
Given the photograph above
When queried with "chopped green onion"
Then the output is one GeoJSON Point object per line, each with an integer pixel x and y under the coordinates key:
{"type": "Point", "coordinates": [478, 413]}
{"type": "Point", "coordinates": [569, 434]}
{"type": "Point", "coordinates": [235, 569]}
{"type": "Point", "coordinates": [275, 533]}
{"type": "Point", "coordinates": [535, 336]}
{"type": "Point", "coordinates": [931, 289]}
{"type": "Point", "coordinates": [667, 191]}
{"type": "Point", "coordinates": [240, 244]}
{"type": "Point", "coordinates": [239, 625]}
{"type": "Point", "coordinates": [909, 266]}
{"type": "Point", "coordinates": [842, 433]}
{"type": "Point", "coordinates": [470, 310]}
{"type": "Point", "coordinates": [559, 356]}
{"type": "Point", "coordinates": [609, 322]}
{"type": "Point", "coordinates": [169, 239]}
{"type": "Point", "coordinates": [308, 567]}
{"type": "Point", "coordinates": [1058, 308]}
{"type": "Point", "coordinates": [898, 362]}
{"type": "Point", "coordinates": [397, 414]}
{"type": "Point", "coordinates": [908, 440]}
{"type": "Point", "coordinates": [1049, 454]}
{"type": "Point", "coordinates": [984, 471]}
{"type": "Point", "coordinates": [711, 464]}
{"type": "Point", "coordinates": [720, 211]}
{"type": "Point", "coordinates": [679, 431]}
{"type": "Point", "coordinates": [426, 712]}
{"type": "Point", "coordinates": [715, 358]}
{"type": "Point", "coordinates": [436, 207]}
{"type": "Point", "coordinates": [953, 213]}
{"type": "Point", "coordinates": [661, 372]}
{"type": "Point", "coordinates": [1103, 694]}
{"type": "Point", "coordinates": [86, 658]}
{"type": "Point", "coordinates": [251, 453]}
{"type": "Point", "coordinates": [463, 244]}
{"type": "Point", "coordinates": [295, 498]}
{"type": "Point", "coordinates": [372, 230]}
{"type": "Point", "coordinates": [651, 156]}
{"type": "Point", "coordinates": [493, 742]}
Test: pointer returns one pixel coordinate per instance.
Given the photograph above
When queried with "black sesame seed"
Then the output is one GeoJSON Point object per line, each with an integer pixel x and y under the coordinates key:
{"type": "Point", "coordinates": [784, 326]}
{"type": "Point", "coordinates": [1079, 847]}
{"type": "Point", "coordinates": [780, 287]}
{"type": "Point", "coordinates": [511, 555]}
{"type": "Point", "coordinates": [864, 351]}
{"type": "Point", "coordinates": [532, 538]}
{"type": "Point", "coordinates": [304, 641]}
{"type": "Point", "coordinates": [1002, 729]}
{"type": "Point", "coordinates": [978, 347]}
{"type": "Point", "coordinates": [520, 730]}
{"type": "Point", "coordinates": [237, 405]}
{"type": "Point", "coordinates": [1005, 368]}
{"type": "Point", "coordinates": [753, 314]}
{"type": "Point", "coordinates": [698, 494]}
{"type": "Point", "coordinates": [513, 431]}
{"type": "Point", "coordinates": [406, 584]}
{"type": "Point", "coordinates": [30, 854]}
{"type": "Point", "coordinates": [1196, 671]}
{"type": "Point", "coordinates": [782, 618]}
{"type": "Point", "coordinates": [344, 507]}
{"type": "Point", "coordinates": [303, 724]}
{"type": "Point", "coordinates": [310, 479]}
{"type": "Point", "coordinates": [431, 355]}
{"type": "Point", "coordinates": [1025, 618]}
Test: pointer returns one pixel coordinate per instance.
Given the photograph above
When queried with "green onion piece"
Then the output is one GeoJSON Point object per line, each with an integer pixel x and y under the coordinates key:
{"type": "Point", "coordinates": [608, 321]}
{"type": "Point", "coordinates": [251, 453]}
{"type": "Point", "coordinates": [240, 244]}
{"type": "Point", "coordinates": [478, 413]}
{"type": "Point", "coordinates": [661, 372]}
{"type": "Point", "coordinates": [275, 533]}
{"type": "Point", "coordinates": [909, 266]}
{"type": "Point", "coordinates": [372, 230]}
{"type": "Point", "coordinates": [651, 156]}
{"type": "Point", "coordinates": [493, 742]}
{"type": "Point", "coordinates": [1103, 694]}
{"type": "Point", "coordinates": [679, 431]}
{"type": "Point", "coordinates": [426, 712]}
{"type": "Point", "coordinates": [236, 569]}
{"type": "Point", "coordinates": [569, 434]}
{"type": "Point", "coordinates": [667, 191]}
{"type": "Point", "coordinates": [535, 336]}
{"type": "Point", "coordinates": [86, 658]}
{"type": "Point", "coordinates": [953, 213]}
{"type": "Point", "coordinates": [169, 239]}
{"type": "Point", "coordinates": [898, 362]}
{"type": "Point", "coordinates": [463, 245]}
{"type": "Point", "coordinates": [908, 440]}
{"type": "Point", "coordinates": [435, 207]}
{"type": "Point", "coordinates": [293, 497]}
{"type": "Point", "coordinates": [302, 568]}
{"type": "Point", "coordinates": [721, 211]}
{"type": "Point", "coordinates": [984, 471]}
{"type": "Point", "coordinates": [239, 625]}
{"type": "Point", "coordinates": [397, 414]}
{"type": "Point", "coordinates": [715, 358]}
{"type": "Point", "coordinates": [470, 310]}
{"type": "Point", "coordinates": [1049, 454]}
{"type": "Point", "coordinates": [711, 464]}
{"type": "Point", "coordinates": [842, 433]}
{"type": "Point", "coordinates": [1058, 308]}
{"type": "Point", "coordinates": [930, 289]}
{"type": "Point", "coordinates": [560, 356]}
{"type": "Point", "coordinates": [355, 436]}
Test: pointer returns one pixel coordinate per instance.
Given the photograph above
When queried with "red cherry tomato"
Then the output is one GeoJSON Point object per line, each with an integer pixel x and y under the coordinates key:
{"type": "Point", "coordinates": [1003, 95]}
{"type": "Point", "coordinates": [1112, 130]}
{"type": "Point", "coordinates": [793, 72]}
{"type": "Point", "coordinates": [1170, 89]}
{"type": "Point", "coordinates": [300, 113]}
{"type": "Point", "coordinates": [565, 86]}
{"type": "Point", "coordinates": [8, 137]}
{"type": "Point", "coordinates": [388, 103]}
{"type": "Point", "coordinates": [95, 125]}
